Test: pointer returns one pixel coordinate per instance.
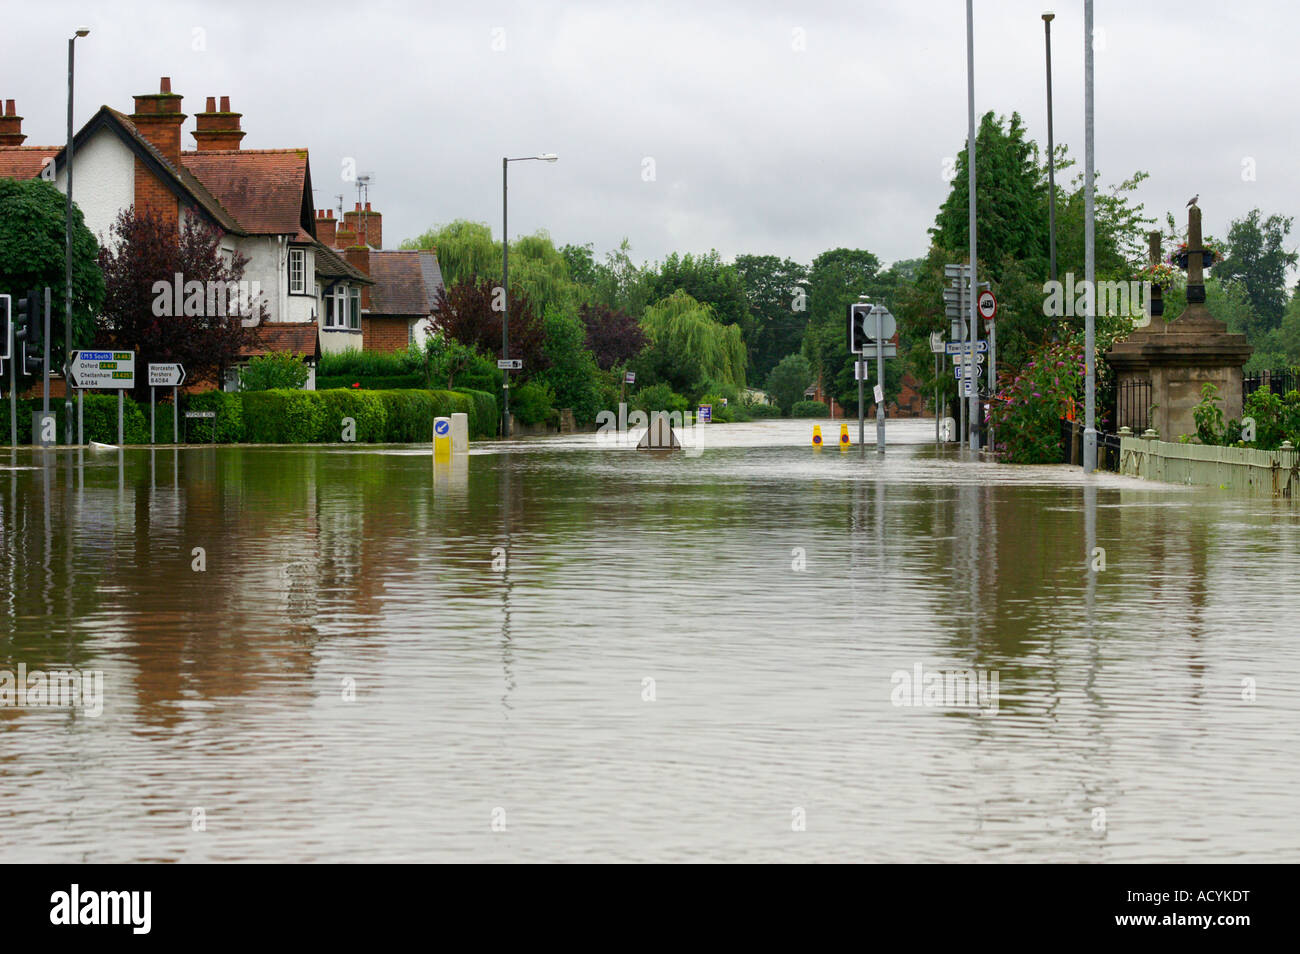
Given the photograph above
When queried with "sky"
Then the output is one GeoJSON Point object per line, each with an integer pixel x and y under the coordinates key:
{"type": "Point", "coordinates": [759, 127]}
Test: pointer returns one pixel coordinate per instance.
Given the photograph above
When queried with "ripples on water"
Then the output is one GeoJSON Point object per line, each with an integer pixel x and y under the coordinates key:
{"type": "Point", "coordinates": [520, 688]}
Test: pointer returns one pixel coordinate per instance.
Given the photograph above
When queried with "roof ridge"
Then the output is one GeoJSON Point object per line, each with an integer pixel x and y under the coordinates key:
{"type": "Point", "coordinates": [286, 150]}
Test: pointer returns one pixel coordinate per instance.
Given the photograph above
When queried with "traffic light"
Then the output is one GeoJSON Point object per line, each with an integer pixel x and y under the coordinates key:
{"type": "Point", "coordinates": [858, 325]}
{"type": "Point", "coordinates": [4, 327]}
{"type": "Point", "coordinates": [29, 326]}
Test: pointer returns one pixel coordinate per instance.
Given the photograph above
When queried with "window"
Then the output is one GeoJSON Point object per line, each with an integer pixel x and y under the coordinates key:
{"type": "Point", "coordinates": [342, 308]}
{"type": "Point", "coordinates": [297, 271]}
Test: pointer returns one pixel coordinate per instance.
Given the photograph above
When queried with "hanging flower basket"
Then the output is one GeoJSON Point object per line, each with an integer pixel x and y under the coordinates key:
{"type": "Point", "coordinates": [1209, 256]}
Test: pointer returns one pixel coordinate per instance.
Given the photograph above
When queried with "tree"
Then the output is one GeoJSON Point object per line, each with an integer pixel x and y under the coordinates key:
{"type": "Point", "coordinates": [444, 357]}
{"type": "Point", "coordinates": [207, 332]}
{"type": "Point", "coordinates": [276, 370]}
{"type": "Point", "coordinates": [777, 293]}
{"type": "Point", "coordinates": [690, 349]}
{"type": "Point", "coordinates": [466, 250]}
{"type": "Point", "coordinates": [572, 375]}
{"type": "Point", "coordinates": [469, 312]}
{"type": "Point", "coordinates": [1258, 261]}
{"type": "Point", "coordinates": [710, 281]}
{"type": "Point", "coordinates": [32, 256]}
{"type": "Point", "coordinates": [613, 336]}
{"type": "Point", "coordinates": [788, 381]}
{"type": "Point", "coordinates": [1010, 195]}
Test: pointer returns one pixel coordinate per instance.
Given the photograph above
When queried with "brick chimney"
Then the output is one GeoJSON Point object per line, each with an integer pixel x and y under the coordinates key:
{"type": "Point", "coordinates": [366, 224]}
{"type": "Point", "coordinates": [346, 237]}
{"type": "Point", "coordinates": [325, 226]}
{"type": "Point", "coordinates": [358, 257]}
{"type": "Point", "coordinates": [158, 116]}
{"type": "Point", "coordinates": [11, 126]}
{"type": "Point", "coordinates": [217, 129]}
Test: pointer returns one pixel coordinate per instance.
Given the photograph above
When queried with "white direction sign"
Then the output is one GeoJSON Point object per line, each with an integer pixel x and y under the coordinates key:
{"type": "Point", "coordinates": [987, 305]}
{"type": "Point", "coordinates": [958, 359]}
{"type": "Point", "coordinates": [956, 347]}
{"type": "Point", "coordinates": [967, 388]}
{"type": "Point", "coordinates": [102, 369]}
{"type": "Point", "coordinates": [937, 342]}
{"type": "Point", "coordinates": [967, 371]}
{"type": "Point", "coordinates": [510, 364]}
{"type": "Point", "coordinates": [166, 375]}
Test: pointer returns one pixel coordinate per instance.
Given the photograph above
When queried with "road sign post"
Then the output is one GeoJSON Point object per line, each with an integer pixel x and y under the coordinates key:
{"type": "Point", "coordinates": [163, 376]}
{"type": "Point", "coordinates": [879, 313]}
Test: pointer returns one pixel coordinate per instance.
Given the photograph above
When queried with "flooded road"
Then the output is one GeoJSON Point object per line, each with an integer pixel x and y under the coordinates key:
{"type": "Point", "coordinates": [569, 650]}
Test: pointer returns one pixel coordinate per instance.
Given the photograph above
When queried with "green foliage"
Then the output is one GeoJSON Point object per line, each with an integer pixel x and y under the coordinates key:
{"type": "Point", "coordinates": [410, 414]}
{"type": "Point", "coordinates": [810, 409]}
{"type": "Point", "coordinates": [229, 422]}
{"type": "Point", "coordinates": [442, 359]}
{"type": "Point", "coordinates": [1258, 261]}
{"type": "Point", "coordinates": [100, 419]}
{"type": "Point", "coordinates": [275, 370]}
{"type": "Point", "coordinates": [777, 293]}
{"type": "Point", "coordinates": [354, 363]}
{"type": "Point", "coordinates": [532, 402]}
{"type": "Point", "coordinates": [394, 382]}
{"type": "Point", "coordinates": [762, 411]}
{"type": "Point", "coordinates": [658, 397]}
{"type": "Point", "coordinates": [484, 413]}
{"type": "Point", "coordinates": [788, 381]}
{"type": "Point", "coordinates": [282, 416]}
{"type": "Point", "coordinates": [465, 250]}
{"type": "Point", "coordinates": [365, 408]}
{"type": "Point", "coordinates": [573, 376]}
{"type": "Point", "coordinates": [688, 346]}
{"type": "Point", "coordinates": [1209, 416]}
{"type": "Point", "coordinates": [1026, 413]}
{"type": "Point", "coordinates": [32, 255]}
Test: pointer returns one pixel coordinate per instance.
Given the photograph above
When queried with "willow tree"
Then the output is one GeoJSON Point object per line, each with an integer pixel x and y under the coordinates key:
{"type": "Point", "coordinates": [690, 349]}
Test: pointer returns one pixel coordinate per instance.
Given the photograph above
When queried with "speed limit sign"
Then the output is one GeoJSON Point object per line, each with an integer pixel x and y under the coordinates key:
{"type": "Point", "coordinates": [987, 305]}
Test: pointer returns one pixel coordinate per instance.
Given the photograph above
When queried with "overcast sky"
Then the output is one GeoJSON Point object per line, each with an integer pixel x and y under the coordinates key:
{"type": "Point", "coordinates": [770, 127]}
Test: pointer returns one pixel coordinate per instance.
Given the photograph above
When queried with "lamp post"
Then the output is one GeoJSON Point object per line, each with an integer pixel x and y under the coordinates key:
{"type": "Point", "coordinates": [1089, 254]}
{"type": "Point", "coordinates": [1051, 156]}
{"type": "Point", "coordinates": [67, 255]}
{"type": "Point", "coordinates": [505, 285]}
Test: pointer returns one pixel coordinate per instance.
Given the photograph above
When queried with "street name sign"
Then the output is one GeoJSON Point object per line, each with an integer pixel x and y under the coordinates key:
{"type": "Point", "coordinates": [957, 347]}
{"type": "Point", "coordinates": [102, 369]}
{"type": "Point", "coordinates": [510, 364]}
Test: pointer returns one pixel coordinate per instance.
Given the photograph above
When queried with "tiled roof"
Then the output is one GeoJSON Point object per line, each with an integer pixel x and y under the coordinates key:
{"type": "Point", "coordinates": [406, 283]}
{"type": "Point", "coordinates": [262, 188]}
{"type": "Point", "coordinates": [25, 162]}
{"type": "Point", "coordinates": [291, 337]}
{"type": "Point", "coordinates": [330, 264]}
{"type": "Point", "coordinates": [182, 177]}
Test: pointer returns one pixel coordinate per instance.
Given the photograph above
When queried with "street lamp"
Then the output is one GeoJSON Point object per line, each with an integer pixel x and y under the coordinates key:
{"type": "Point", "coordinates": [505, 286]}
{"type": "Point", "coordinates": [1051, 158]}
{"type": "Point", "coordinates": [67, 257]}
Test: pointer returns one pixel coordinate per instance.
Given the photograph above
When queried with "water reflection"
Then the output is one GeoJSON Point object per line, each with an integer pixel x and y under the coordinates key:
{"type": "Point", "coordinates": [497, 616]}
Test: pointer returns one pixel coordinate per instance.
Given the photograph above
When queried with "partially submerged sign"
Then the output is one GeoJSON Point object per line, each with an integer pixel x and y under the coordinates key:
{"type": "Point", "coordinates": [659, 435]}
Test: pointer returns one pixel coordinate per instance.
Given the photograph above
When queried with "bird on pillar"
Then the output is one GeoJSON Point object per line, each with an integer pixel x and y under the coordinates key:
{"type": "Point", "coordinates": [1192, 201]}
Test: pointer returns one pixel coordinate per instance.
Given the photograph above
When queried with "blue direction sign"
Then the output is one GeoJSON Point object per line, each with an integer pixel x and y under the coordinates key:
{"type": "Point", "coordinates": [956, 347]}
{"type": "Point", "coordinates": [102, 369]}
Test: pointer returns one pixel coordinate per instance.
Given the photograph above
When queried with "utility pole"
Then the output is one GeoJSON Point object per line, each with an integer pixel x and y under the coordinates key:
{"type": "Point", "coordinates": [970, 163]}
{"type": "Point", "coordinates": [1051, 151]}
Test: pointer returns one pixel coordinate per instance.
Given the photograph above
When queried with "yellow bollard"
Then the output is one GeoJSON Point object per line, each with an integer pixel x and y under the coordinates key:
{"type": "Point", "coordinates": [442, 438]}
{"type": "Point", "coordinates": [817, 437]}
{"type": "Point", "coordinates": [844, 437]}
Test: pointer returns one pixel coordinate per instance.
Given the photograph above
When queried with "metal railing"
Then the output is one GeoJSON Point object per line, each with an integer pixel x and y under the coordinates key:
{"type": "Point", "coordinates": [1279, 381]}
{"type": "Point", "coordinates": [1133, 405]}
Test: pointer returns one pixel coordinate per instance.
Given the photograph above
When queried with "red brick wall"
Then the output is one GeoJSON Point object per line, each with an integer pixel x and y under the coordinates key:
{"type": "Point", "coordinates": [384, 334]}
{"type": "Point", "coordinates": [154, 197]}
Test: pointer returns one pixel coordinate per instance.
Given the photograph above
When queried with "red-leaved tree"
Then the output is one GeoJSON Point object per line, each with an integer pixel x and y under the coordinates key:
{"type": "Point", "coordinates": [470, 312]}
{"type": "Point", "coordinates": [613, 336]}
{"type": "Point", "coordinates": [171, 295]}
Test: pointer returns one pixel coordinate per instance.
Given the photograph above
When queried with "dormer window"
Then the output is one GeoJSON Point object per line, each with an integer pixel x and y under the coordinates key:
{"type": "Point", "coordinates": [297, 271]}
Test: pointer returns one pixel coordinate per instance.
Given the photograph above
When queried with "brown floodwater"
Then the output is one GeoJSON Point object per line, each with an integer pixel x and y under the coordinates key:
{"type": "Point", "coordinates": [566, 649]}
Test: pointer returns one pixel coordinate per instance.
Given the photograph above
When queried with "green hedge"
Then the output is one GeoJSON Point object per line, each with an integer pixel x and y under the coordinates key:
{"type": "Point", "coordinates": [369, 382]}
{"type": "Point", "coordinates": [100, 419]}
{"type": "Point", "coordinates": [229, 421]}
{"type": "Point", "coordinates": [757, 411]}
{"type": "Point", "coordinates": [809, 409]}
{"type": "Point", "coordinates": [282, 416]}
{"type": "Point", "coordinates": [485, 415]}
{"type": "Point", "coordinates": [365, 408]}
